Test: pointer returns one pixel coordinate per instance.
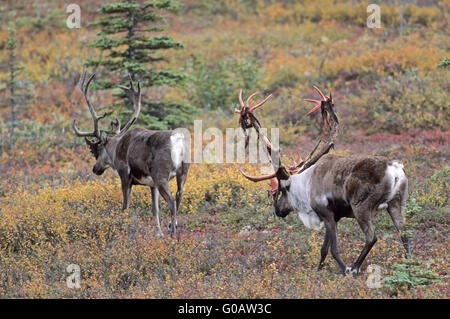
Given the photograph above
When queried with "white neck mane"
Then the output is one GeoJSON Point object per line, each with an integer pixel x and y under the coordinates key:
{"type": "Point", "coordinates": [299, 198]}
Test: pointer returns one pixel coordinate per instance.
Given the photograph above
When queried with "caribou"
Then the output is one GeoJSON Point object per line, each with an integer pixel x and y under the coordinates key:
{"type": "Point", "coordinates": [323, 188]}
{"type": "Point", "coordinates": [138, 156]}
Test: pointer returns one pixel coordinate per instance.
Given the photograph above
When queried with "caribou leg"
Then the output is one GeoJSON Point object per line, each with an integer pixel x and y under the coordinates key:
{"type": "Point", "coordinates": [165, 193]}
{"type": "Point", "coordinates": [395, 209]}
{"type": "Point", "coordinates": [155, 209]}
{"type": "Point", "coordinates": [327, 215]}
{"type": "Point", "coordinates": [365, 222]}
{"type": "Point", "coordinates": [324, 250]}
{"type": "Point", "coordinates": [331, 228]}
{"type": "Point", "coordinates": [331, 233]}
{"type": "Point", "coordinates": [181, 179]}
{"type": "Point", "coordinates": [126, 192]}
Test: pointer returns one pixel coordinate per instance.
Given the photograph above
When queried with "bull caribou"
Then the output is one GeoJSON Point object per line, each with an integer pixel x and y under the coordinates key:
{"type": "Point", "coordinates": [139, 156]}
{"type": "Point", "coordinates": [323, 188]}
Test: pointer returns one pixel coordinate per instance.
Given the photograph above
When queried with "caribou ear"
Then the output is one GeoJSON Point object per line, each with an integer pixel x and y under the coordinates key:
{"type": "Point", "coordinates": [90, 142]}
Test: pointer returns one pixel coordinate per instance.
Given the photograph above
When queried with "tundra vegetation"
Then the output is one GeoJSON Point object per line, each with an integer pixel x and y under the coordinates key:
{"type": "Point", "coordinates": [391, 94]}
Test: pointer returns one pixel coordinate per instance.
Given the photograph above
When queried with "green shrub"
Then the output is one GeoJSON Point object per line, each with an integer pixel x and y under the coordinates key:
{"type": "Point", "coordinates": [412, 207]}
{"type": "Point", "coordinates": [445, 63]}
{"type": "Point", "coordinates": [214, 86]}
{"type": "Point", "coordinates": [409, 274]}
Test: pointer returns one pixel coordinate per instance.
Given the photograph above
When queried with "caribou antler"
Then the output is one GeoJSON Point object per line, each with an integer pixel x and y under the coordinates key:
{"type": "Point", "coordinates": [331, 124]}
{"type": "Point", "coordinates": [84, 86]}
{"type": "Point", "coordinates": [133, 94]}
{"type": "Point", "coordinates": [247, 120]}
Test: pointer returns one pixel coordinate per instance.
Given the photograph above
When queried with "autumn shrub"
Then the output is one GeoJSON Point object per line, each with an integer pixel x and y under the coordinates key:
{"type": "Point", "coordinates": [232, 245]}
{"type": "Point", "coordinates": [421, 15]}
{"type": "Point", "coordinates": [344, 11]}
{"type": "Point", "coordinates": [80, 209]}
{"type": "Point", "coordinates": [222, 186]}
{"type": "Point", "coordinates": [407, 101]}
{"type": "Point", "coordinates": [434, 191]}
{"type": "Point", "coordinates": [373, 64]}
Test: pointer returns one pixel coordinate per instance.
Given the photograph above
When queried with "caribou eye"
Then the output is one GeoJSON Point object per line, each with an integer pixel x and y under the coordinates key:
{"type": "Point", "coordinates": [94, 150]}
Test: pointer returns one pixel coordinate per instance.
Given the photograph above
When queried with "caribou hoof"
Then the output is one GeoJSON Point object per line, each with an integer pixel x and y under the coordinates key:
{"type": "Point", "coordinates": [172, 229]}
{"type": "Point", "coordinates": [158, 233]}
{"type": "Point", "coordinates": [347, 271]}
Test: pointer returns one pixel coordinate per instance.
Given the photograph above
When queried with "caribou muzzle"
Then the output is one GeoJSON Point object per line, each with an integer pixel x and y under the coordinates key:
{"type": "Point", "coordinates": [97, 170]}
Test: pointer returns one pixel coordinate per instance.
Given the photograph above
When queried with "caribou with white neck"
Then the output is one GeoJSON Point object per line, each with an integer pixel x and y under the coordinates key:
{"type": "Point", "coordinates": [324, 188]}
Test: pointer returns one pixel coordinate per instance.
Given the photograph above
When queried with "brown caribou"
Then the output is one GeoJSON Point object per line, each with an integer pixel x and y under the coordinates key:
{"type": "Point", "coordinates": [139, 156]}
{"type": "Point", "coordinates": [324, 188]}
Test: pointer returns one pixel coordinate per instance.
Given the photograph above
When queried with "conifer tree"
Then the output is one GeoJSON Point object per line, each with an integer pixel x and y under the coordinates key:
{"type": "Point", "coordinates": [13, 85]}
{"type": "Point", "coordinates": [128, 47]}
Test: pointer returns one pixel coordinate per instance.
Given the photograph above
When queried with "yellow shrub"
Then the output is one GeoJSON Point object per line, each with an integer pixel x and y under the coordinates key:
{"type": "Point", "coordinates": [435, 190]}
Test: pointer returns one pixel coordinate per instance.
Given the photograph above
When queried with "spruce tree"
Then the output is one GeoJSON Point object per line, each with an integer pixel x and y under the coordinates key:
{"type": "Point", "coordinates": [13, 83]}
{"type": "Point", "coordinates": [128, 48]}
